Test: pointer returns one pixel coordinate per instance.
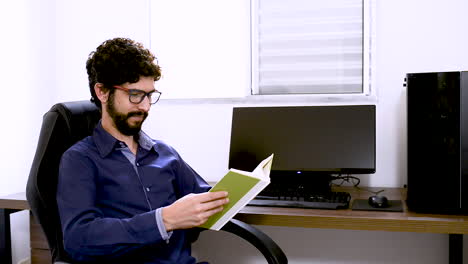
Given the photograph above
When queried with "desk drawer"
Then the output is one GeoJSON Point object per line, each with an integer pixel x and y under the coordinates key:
{"type": "Point", "coordinates": [38, 239]}
{"type": "Point", "coordinates": [40, 256]}
{"type": "Point", "coordinates": [40, 253]}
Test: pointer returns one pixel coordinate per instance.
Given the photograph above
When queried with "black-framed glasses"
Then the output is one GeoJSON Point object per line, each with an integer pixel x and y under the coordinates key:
{"type": "Point", "coordinates": [136, 96]}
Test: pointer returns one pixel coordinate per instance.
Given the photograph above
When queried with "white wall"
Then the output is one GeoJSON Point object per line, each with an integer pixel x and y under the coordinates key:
{"type": "Point", "coordinates": [27, 76]}
{"type": "Point", "coordinates": [44, 58]}
{"type": "Point", "coordinates": [83, 25]}
{"type": "Point", "coordinates": [207, 42]}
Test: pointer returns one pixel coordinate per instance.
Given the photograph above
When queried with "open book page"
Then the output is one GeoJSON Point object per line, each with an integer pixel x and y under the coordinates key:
{"type": "Point", "coordinates": [263, 169]}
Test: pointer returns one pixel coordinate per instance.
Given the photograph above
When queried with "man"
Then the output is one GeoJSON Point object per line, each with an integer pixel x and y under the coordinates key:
{"type": "Point", "coordinates": [122, 196]}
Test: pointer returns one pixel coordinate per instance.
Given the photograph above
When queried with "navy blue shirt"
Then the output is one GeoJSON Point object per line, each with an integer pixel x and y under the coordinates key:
{"type": "Point", "coordinates": [108, 205]}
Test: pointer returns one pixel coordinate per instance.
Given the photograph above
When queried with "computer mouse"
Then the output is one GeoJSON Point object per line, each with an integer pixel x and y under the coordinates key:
{"type": "Point", "coordinates": [378, 201]}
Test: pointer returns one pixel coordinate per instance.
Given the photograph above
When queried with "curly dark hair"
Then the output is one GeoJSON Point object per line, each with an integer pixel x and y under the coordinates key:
{"type": "Point", "coordinates": [117, 61]}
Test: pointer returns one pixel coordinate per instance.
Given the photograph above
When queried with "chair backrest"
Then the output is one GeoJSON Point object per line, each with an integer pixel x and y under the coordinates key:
{"type": "Point", "coordinates": [62, 126]}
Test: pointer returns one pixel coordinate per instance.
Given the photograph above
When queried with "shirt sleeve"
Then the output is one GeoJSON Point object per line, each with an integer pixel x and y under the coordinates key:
{"type": "Point", "coordinates": [87, 233]}
{"type": "Point", "coordinates": [189, 180]}
{"type": "Point", "coordinates": [161, 227]}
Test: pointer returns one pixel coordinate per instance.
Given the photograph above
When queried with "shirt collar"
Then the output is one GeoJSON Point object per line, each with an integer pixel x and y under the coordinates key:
{"type": "Point", "coordinates": [145, 141]}
{"type": "Point", "coordinates": [106, 143]}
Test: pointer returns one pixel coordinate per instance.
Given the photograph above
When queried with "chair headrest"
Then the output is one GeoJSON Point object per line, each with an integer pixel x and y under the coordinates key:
{"type": "Point", "coordinates": [80, 118]}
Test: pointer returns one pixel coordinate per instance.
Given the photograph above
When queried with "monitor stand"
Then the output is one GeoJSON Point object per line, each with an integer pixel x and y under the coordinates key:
{"type": "Point", "coordinates": [307, 182]}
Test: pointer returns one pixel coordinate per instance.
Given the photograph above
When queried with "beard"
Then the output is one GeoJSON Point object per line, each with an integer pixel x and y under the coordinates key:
{"type": "Point", "coordinates": [121, 119]}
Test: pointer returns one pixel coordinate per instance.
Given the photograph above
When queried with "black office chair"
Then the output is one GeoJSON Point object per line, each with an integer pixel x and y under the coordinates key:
{"type": "Point", "coordinates": [65, 124]}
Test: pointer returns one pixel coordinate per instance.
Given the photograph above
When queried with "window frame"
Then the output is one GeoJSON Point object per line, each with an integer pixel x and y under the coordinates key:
{"type": "Point", "coordinates": [369, 93]}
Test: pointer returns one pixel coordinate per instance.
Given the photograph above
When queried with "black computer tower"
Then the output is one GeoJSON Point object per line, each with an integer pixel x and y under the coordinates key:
{"type": "Point", "coordinates": [437, 116]}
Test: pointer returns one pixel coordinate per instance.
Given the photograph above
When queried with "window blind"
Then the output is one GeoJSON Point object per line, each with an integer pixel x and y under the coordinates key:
{"type": "Point", "coordinates": [307, 46]}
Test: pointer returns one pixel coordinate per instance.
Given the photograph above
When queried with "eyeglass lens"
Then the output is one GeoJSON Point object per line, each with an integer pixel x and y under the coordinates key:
{"type": "Point", "coordinates": [137, 97]}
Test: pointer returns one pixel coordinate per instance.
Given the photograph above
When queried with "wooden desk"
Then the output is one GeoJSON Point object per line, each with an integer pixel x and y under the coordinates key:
{"type": "Point", "coordinates": [358, 220]}
{"type": "Point", "coordinates": [39, 248]}
{"type": "Point", "coordinates": [8, 205]}
{"type": "Point", "coordinates": [454, 225]}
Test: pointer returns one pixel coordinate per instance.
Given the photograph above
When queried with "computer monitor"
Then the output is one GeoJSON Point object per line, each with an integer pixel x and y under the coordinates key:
{"type": "Point", "coordinates": [310, 143]}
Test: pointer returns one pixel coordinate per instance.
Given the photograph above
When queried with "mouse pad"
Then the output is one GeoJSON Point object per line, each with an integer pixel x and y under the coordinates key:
{"type": "Point", "coordinates": [363, 205]}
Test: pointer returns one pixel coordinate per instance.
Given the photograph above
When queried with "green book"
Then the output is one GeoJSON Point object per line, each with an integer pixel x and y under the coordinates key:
{"type": "Point", "coordinates": [242, 187]}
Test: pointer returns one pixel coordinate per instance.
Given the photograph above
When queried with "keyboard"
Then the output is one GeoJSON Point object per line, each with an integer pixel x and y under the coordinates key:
{"type": "Point", "coordinates": [329, 200]}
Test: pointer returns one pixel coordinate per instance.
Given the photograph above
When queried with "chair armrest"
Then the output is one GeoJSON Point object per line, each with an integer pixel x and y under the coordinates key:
{"type": "Point", "coordinates": [270, 250]}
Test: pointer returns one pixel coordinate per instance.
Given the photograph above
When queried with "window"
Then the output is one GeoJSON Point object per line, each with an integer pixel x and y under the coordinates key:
{"type": "Point", "coordinates": [311, 47]}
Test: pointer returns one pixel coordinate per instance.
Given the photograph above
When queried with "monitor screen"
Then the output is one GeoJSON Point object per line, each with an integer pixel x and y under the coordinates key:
{"type": "Point", "coordinates": [313, 139]}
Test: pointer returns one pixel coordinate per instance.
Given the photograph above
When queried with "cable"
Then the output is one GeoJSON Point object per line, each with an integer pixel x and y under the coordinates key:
{"type": "Point", "coordinates": [348, 178]}
{"type": "Point", "coordinates": [355, 181]}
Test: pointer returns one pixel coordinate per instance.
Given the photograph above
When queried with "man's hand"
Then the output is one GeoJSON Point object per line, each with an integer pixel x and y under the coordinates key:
{"type": "Point", "coordinates": [193, 210]}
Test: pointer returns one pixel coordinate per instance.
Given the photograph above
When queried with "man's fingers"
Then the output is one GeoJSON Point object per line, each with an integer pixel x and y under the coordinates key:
{"type": "Point", "coordinates": [211, 212]}
{"type": "Point", "coordinates": [210, 196]}
{"type": "Point", "coordinates": [213, 204]}
{"type": "Point", "coordinates": [193, 209]}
